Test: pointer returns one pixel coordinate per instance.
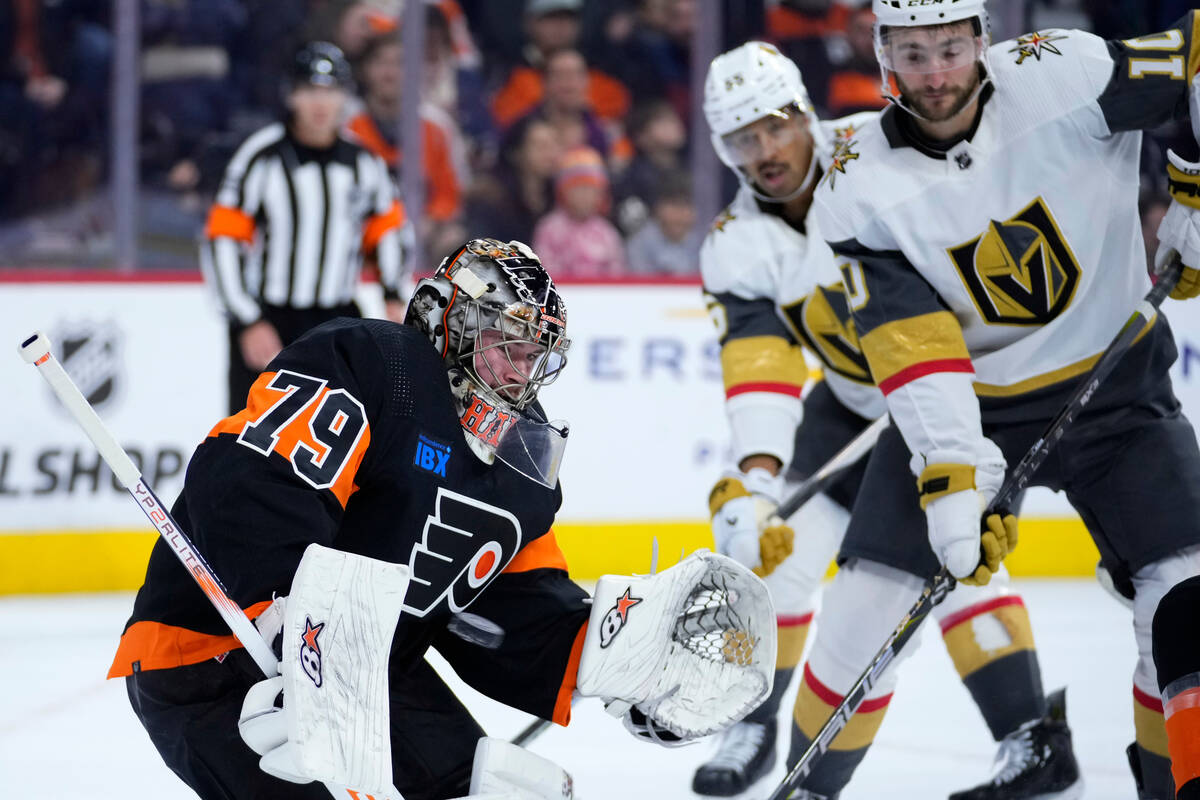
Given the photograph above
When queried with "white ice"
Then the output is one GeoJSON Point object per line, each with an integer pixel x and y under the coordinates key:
{"type": "Point", "coordinates": [67, 733]}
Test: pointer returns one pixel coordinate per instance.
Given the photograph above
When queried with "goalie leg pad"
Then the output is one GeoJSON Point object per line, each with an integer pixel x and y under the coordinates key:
{"type": "Point", "coordinates": [693, 647]}
{"type": "Point", "coordinates": [504, 771]}
{"type": "Point", "coordinates": [337, 632]}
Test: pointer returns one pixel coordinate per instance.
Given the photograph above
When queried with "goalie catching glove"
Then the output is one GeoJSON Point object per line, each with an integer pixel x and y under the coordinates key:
{"type": "Point", "coordinates": [953, 495]}
{"type": "Point", "coordinates": [1179, 231]}
{"type": "Point", "coordinates": [692, 648]}
{"type": "Point", "coordinates": [745, 527]}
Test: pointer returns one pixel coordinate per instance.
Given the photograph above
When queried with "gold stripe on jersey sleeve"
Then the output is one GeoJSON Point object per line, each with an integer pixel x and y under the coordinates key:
{"type": "Point", "coordinates": [762, 359]}
{"type": "Point", "coordinates": [895, 347]}
{"type": "Point", "coordinates": [1194, 49]}
{"type": "Point", "coordinates": [1048, 378]}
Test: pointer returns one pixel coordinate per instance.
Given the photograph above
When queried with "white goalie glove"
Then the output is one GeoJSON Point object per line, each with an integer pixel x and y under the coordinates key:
{"type": "Point", "coordinates": [688, 651]}
{"type": "Point", "coordinates": [504, 771]}
{"type": "Point", "coordinates": [333, 724]}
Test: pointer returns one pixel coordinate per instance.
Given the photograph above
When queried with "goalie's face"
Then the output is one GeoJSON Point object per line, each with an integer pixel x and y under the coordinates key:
{"type": "Point", "coordinates": [514, 367]}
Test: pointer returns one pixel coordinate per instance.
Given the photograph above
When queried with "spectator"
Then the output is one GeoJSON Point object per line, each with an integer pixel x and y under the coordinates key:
{"type": "Point", "coordinates": [669, 243]}
{"type": "Point", "coordinates": [854, 85]}
{"type": "Point", "coordinates": [658, 139]}
{"type": "Point", "coordinates": [552, 26]}
{"type": "Point", "coordinates": [507, 204]}
{"type": "Point", "coordinates": [565, 107]}
{"type": "Point", "coordinates": [381, 74]}
{"type": "Point", "coordinates": [802, 29]}
{"type": "Point", "coordinates": [576, 240]}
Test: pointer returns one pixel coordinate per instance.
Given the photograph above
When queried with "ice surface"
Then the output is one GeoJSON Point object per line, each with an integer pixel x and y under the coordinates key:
{"type": "Point", "coordinates": [67, 733]}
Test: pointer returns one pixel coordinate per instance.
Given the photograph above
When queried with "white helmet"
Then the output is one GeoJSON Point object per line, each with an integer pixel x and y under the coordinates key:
{"type": "Point", "coordinates": [891, 14]}
{"type": "Point", "coordinates": [746, 84]}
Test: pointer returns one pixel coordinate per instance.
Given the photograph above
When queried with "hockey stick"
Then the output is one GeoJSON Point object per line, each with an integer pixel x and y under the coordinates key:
{"type": "Point", "coordinates": [941, 584]}
{"type": "Point", "coordinates": [845, 458]}
{"type": "Point", "coordinates": [36, 351]}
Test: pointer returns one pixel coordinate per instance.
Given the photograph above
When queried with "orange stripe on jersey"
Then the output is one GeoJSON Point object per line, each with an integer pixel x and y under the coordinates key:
{"type": "Point", "coordinates": [231, 222]}
{"type": "Point", "coordinates": [296, 431]}
{"type": "Point", "coordinates": [542, 553]}
{"type": "Point", "coordinates": [377, 227]}
{"type": "Point", "coordinates": [562, 704]}
{"type": "Point", "coordinates": [907, 349]}
{"type": "Point", "coordinates": [154, 645]}
{"type": "Point", "coordinates": [763, 361]}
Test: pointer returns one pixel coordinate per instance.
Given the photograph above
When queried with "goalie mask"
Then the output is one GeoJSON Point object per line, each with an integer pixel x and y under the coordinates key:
{"type": "Point", "coordinates": [917, 40]}
{"type": "Point", "coordinates": [497, 319]}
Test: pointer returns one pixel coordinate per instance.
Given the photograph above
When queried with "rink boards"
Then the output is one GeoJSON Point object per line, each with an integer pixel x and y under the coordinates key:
{"type": "Point", "coordinates": [642, 392]}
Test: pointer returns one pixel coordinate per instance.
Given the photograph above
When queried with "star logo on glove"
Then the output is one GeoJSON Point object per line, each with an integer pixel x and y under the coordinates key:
{"type": "Point", "coordinates": [311, 632]}
{"type": "Point", "coordinates": [624, 603]}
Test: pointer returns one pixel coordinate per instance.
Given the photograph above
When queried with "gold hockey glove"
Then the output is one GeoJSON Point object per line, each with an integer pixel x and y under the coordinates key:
{"type": "Point", "coordinates": [744, 525]}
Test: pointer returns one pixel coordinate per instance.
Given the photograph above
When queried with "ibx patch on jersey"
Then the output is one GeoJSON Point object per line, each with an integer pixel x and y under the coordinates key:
{"type": "Point", "coordinates": [431, 456]}
{"type": "Point", "coordinates": [614, 621]}
{"type": "Point", "coordinates": [310, 650]}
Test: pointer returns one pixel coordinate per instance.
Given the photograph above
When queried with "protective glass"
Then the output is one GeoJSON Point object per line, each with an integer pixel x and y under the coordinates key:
{"type": "Point", "coordinates": [753, 142]}
{"type": "Point", "coordinates": [533, 448]}
{"type": "Point", "coordinates": [928, 49]}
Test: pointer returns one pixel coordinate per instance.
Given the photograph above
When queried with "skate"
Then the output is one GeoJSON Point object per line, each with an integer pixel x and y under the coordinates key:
{"type": "Point", "coordinates": [1035, 761]}
{"type": "Point", "coordinates": [746, 754]}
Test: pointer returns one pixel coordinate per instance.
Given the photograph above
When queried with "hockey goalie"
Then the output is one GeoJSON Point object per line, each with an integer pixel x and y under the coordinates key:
{"type": "Point", "coordinates": [381, 480]}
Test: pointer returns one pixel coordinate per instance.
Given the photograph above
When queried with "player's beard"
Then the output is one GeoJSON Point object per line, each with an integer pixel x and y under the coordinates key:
{"type": "Point", "coordinates": [962, 97]}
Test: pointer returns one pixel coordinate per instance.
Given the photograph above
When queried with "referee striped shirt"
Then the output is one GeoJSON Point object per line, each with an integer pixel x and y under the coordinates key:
{"type": "Point", "coordinates": [290, 226]}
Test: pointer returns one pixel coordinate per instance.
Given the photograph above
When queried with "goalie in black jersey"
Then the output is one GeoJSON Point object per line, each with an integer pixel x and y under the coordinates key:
{"type": "Point", "coordinates": [366, 445]}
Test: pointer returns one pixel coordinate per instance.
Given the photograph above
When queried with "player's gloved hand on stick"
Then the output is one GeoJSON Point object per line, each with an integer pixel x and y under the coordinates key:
{"type": "Point", "coordinates": [1179, 231]}
{"type": "Point", "coordinates": [953, 495]}
{"type": "Point", "coordinates": [745, 527]}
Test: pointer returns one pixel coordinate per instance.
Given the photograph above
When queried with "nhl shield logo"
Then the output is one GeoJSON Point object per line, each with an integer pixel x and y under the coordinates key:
{"type": "Point", "coordinates": [90, 352]}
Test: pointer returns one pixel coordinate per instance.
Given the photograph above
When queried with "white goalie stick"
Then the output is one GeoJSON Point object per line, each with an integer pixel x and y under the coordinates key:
{"type": "Point", "coordinates": [941, 584]}
{"type": "Point", "coordinates": [36, 350]}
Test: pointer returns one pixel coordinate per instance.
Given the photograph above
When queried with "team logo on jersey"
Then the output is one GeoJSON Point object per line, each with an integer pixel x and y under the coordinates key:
{"type": "Point", "coordinates": [843, 154]}
{"type": "Point", "coordinates": [823, 321]}
{"type": "Point", "coordinates": [614, 621]}
{"type": "Point", "coordinates": [310, 650]}
{"type": "Point", "coordinates": [464, 545]}
{"type": "Point", "coordinates": [90, 352]}
{"type": "Point", "coordinates": [724, 218]}
{"type": "Point", "coordinates": [431, 456]}
{"type": "Point", "coordinates": [1033, 45]}
{"type": "Point", "coordinates": [1019, 272]}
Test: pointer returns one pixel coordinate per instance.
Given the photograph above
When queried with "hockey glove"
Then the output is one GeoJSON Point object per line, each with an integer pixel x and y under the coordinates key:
{"type": "Point", "coordinates": [745, 527]}
{"type": "Point", "coordinates": [953, 496]}
{"type": "Point", "coordinates": [1179, 232]}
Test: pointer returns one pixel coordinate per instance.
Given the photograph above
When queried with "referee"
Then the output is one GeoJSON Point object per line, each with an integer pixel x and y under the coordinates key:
{"type": "Point", "coordinates": [298, 209]}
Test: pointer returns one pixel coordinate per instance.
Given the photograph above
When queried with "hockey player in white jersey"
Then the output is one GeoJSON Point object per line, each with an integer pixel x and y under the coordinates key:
{"type": "Point", "coordinates": [773, 287]}
{"type": "Point", "coordinates": [988, 234]}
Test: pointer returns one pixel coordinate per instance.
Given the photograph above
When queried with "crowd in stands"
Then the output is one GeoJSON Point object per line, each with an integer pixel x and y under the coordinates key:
{"type": "Point", "coordinates": [563, 123]}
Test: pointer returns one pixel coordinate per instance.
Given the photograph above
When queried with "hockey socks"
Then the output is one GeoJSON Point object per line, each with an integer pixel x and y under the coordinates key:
{"type": "Point", "coordinates": [814, 703]}
{"type": "Point", "coordinates": [991, 645]}
{"type": "Point", "coordinates": [1177, 661]}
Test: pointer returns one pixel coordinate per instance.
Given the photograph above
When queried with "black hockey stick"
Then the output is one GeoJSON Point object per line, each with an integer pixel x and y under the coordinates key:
{"type": "Point", "coordinates": [941, 584]}
{"type": "Point", "coordinates": [845, 458]}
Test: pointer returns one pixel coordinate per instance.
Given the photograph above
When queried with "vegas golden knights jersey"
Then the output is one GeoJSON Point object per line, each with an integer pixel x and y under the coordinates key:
{"type": "Point", "coordinates": [772, 289]}
{"type": "Point", "coordinates": [351, 439]}
{"type": "Point", "coordinates": [1013, 257]}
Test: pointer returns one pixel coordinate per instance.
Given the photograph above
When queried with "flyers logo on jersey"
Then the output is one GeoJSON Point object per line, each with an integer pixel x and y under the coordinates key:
{"type": "Point", "coordinates": [1019, 272]}
{"type": "Point", "coordinates": [464, 545]}
{"type": "Point", "coordinates": [823, 321]}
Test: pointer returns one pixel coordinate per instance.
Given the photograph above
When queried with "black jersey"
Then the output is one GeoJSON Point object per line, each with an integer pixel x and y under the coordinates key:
{"type": "Point", "coordinates": [351, 439]}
